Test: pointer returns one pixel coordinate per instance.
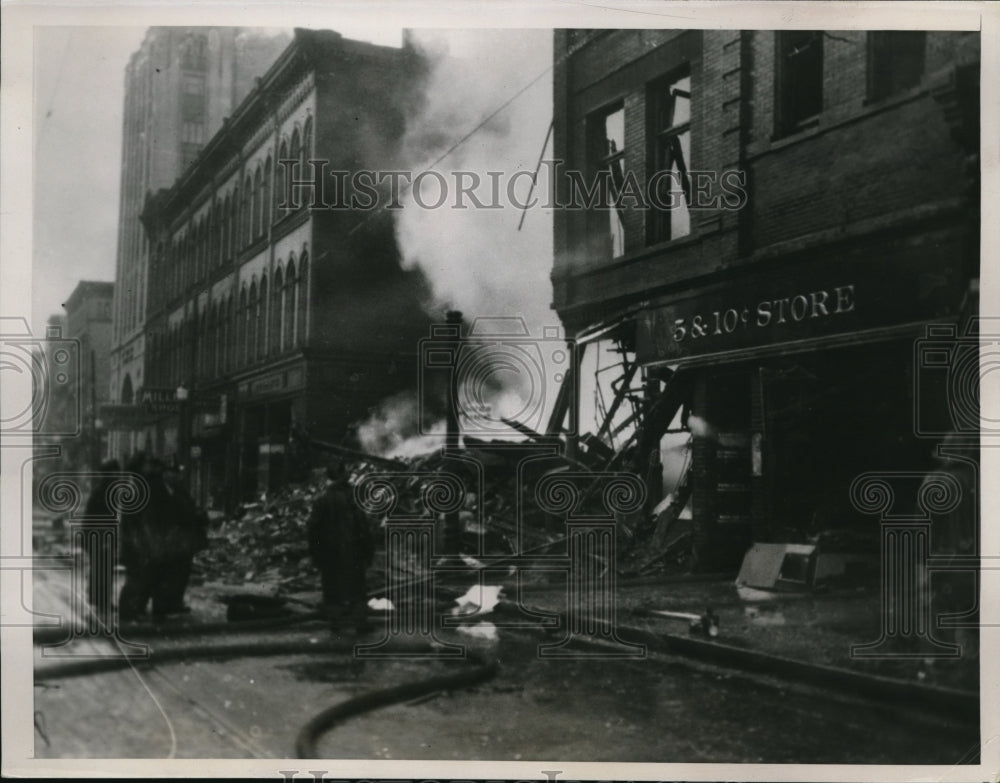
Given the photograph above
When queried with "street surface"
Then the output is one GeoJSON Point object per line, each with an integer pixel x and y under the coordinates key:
{"type": "Point", "coordinates": [658, 709]}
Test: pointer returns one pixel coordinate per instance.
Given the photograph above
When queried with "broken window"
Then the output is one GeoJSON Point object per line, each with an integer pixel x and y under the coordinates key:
{"type": "Point", "coordinates": [608, 129]}
{"type": "Point", "coordinates": [895, 62]}
{"type": "Point", "coordinates": [670, 106]}
{"type": "Point", "coordinates": [799, 79]}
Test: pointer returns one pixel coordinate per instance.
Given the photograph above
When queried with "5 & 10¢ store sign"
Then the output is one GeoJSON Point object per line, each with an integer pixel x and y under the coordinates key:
{"type": "Point", "coordinates": [700, 326]}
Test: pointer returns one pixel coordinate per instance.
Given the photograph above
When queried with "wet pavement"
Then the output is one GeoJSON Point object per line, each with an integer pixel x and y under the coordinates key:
{"type": "Point", "coordinates": [660, 708]}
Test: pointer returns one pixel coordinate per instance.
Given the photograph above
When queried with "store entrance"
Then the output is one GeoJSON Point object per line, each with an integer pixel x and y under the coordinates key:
{"type": "Point", "coordinates": [828, 417]}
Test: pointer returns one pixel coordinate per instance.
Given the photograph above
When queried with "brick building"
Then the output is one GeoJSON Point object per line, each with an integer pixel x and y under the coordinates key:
{"type": "Point", "coordinates": [88, 321]}
{"type": "Point", "coordinates": [179, 86]}
{"type": "Point", "coordinates": [275, 313]}
{"type": "Point", "coordinates": [811, 205]}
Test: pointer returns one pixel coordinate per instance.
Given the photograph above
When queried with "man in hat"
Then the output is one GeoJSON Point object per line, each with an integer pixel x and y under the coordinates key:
{"type": "Point", "coordinates": [341, 546]}
{"type": "Point", "coordinates": [99, 592]}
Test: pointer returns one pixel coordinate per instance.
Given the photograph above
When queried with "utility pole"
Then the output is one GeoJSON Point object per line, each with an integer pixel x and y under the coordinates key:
{"type": "Point", "coordinates": [452, 525]}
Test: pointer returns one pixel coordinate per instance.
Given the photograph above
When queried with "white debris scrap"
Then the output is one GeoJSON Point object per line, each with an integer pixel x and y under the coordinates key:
{"type": "Point", "coordinates": [480, 599]}
{"type": "Point", "coordinates": [381, 604]}
{"type": "Point", "coordinates": [479, 630]}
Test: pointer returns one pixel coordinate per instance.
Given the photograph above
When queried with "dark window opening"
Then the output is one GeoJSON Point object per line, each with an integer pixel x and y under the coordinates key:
{"type": "Point", "coordinates": [670, 114]}
{"type": "Point", "coordinates": [800, 79]}
{"type": "Point", "coordinates": [608, 155]}
{"type": "Point", "coordinates": [895, 62]}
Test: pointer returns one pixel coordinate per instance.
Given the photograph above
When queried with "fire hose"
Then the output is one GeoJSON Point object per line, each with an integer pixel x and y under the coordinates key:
{"type": "Point", "coordinates": [305, 744]}
{"type": "Point", "coordinates": [323, 722]}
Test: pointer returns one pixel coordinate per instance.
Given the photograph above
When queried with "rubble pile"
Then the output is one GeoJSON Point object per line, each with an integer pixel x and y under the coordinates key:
{"type": "Point", "coordinates": [264, 542]}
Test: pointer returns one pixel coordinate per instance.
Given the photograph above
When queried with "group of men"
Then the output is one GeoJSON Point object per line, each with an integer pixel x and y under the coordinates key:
{"type": "Point", "coordinates": [158, 542]}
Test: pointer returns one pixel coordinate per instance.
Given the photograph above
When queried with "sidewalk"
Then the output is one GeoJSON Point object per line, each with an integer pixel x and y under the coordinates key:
{"type": "Point", "coordinates": [815, 628]}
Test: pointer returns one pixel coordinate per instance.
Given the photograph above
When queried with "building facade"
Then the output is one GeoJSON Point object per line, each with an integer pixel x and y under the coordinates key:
{"type": "Point", "coordinates": [275, 311]}
{"type": "Point", "coordinates": [179, 86]}
{"type": "Point", "coordinates": [788, 211]}
{"type": "Point", "coordinates": [88, 322]}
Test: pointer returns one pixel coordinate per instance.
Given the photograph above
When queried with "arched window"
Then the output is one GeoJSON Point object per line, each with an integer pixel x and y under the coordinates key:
{"type": "Point", "coordinates": [199, 245]}
{"type": "Point", "coordinates": [258, 189]}
{"type": "Point", "coordinates": [255, 205]}
{"type": "Point", "coordinates": [307, 140]}
{"type": "Point", "coordinates": [234, 213]}
{"type": "Point", "coordinates": [217, 229]}
{"type": "Point", "coordinates": [196, 348]}
{"type": "Point", "coordinates": [303, 298]}
{"type": "Point", "coordinates": [306, 149]}
{"type": "Point", "coordinates": [224, 230]}
{"type": "Point", "coordinates": [220, 335]}
{"type": "Point", "coordinates": [275, 341]}
{"type": "Point", "coordinates": [262, 319]}
{"type": "Point", "coordinates": [199, 250]}
{"type": "Point", "coordinates": [232, 360]}
{"type": "Point", "coordinates": [282, 178]}
{"type": "Point", "coordinates": [289, 307]}
{"type": "Point", "coordinates": [245, 212]}
{"type": "Point", "coordinates": [295, 153]}
{"type": "Point", "coordinates": [206, 336]}
{"type": "Point", "coordinates": [253, 313]}
{"type": "Point", "coordinates": [265, 202]}
{"type": "Point", "coordinates": [242, 329]}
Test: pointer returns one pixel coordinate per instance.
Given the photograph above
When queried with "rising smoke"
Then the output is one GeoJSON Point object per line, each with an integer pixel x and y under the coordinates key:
{"type": "Point", "coordinates": [476, 260]}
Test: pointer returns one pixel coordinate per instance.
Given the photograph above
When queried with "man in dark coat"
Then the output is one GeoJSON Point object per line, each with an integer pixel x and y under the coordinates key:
{"type": "Point", "coordinates": [185, 534]}
{"type": "Point", "coordinates": [139, 541]}
{"type": "Point", "coordinates": [341, 546]}
{"type": "Point", "coordinates": [158, 544]}
{"type": "Point", "coordinates": [99, 593]}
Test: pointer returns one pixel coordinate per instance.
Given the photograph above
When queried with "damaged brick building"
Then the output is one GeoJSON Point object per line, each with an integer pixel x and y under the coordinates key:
{"type": "Point", "coordinates": [811, 206]}
{"type": "Point", "coordinates": [274, 313]}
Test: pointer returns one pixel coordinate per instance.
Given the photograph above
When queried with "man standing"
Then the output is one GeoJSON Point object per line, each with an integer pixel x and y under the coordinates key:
{"type": "Point", "coordinates": [99, 594]}
{"type": "Point", "coordinates": [341, 546]}
{"type": "Point", "coordinates": [185, 534]}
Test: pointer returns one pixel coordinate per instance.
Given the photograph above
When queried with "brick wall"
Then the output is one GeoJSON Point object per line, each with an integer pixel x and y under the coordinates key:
{"type": "Point", "coordinates": [863, 166]}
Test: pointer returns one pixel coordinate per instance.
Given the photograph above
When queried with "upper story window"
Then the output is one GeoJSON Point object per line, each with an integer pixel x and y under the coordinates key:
{"type": "Point", "coordinates": [669, 103]}
{"type": "Point", "coordinates": [194, 53]}
{"type": "Point", "coordinates": [193, 99]}
{"type": "Point", "coordinates": [895, 61]}
{"type": "Point", "coordinates": [799, 61]}
{"type": "Point", "coordinates": [607, 130]}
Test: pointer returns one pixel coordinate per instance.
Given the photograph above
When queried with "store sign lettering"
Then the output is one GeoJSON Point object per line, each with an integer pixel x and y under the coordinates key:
{"type": "Point", "coordinates": [766, 313]}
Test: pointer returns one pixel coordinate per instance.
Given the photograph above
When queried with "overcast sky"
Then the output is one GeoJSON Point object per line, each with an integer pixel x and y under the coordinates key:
{"type": "Point", "coordinates": [78, 95]}
{"type": "Point", "coordinates": [78, 98]}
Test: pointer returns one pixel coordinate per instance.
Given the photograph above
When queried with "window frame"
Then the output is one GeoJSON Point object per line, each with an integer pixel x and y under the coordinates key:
{"type": "Point", "coordinates": [661, 157]}
{"type": "Point", "coordinates": [875, 90]}
{"type": "Point", "coordinates": [598, 160]}
{"type": "Point", "coordinates": [787, 123]}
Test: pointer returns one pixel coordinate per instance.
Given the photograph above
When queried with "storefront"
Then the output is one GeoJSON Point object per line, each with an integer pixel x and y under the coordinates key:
{"type": "Point", "coordinates": [798, 378]}
{"type": "Point", "coordinates": [266, 407]}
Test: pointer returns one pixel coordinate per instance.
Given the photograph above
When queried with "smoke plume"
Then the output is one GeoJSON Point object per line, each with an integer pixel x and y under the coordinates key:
{"type": "Point", "coordinates": [475, 258]}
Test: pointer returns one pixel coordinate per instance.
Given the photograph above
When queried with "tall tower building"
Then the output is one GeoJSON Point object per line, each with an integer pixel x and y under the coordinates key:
{"type": "Point", "coordinates": [180, 86]}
